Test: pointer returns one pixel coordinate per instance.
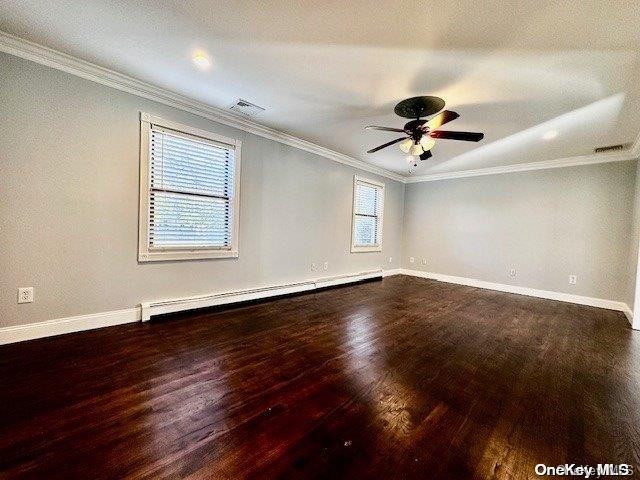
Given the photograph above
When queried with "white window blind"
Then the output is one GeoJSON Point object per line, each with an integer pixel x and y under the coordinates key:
{"type": "Point", "coordinates": [190, 195]}
{"type": "Point", "coordinates": [368, 202]}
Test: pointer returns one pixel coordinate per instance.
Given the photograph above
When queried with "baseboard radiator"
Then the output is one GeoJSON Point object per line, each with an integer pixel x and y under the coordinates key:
{"type": "Point", "coordinates": [146, 310]}
{"type": "Point", "coordinates": [150, 309]}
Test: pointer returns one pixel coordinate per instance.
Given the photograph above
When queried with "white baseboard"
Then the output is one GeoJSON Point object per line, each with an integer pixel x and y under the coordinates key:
{"type": "Point", "coordinates": [59, 326]}
{"type": "Point", "coordinates": [160, 307]}
{"type": "Point", "coordinates": [531, 292]}
{"type": "Point", "coordinates": [343, 279]}
{"type": "Point", "coordinates": [395, 271]}
{"type": "Point", "coordinates": [79, 323]}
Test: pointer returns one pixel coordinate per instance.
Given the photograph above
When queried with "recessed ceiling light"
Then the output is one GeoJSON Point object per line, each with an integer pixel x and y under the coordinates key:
{"type": "Point", "coordinates": [201, 60]}
{"type": "Point", "coordinates": [550, 135]}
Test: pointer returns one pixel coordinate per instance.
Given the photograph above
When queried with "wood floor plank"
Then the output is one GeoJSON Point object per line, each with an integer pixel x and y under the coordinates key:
{"type": "Point", "coordinates": [403, 378]}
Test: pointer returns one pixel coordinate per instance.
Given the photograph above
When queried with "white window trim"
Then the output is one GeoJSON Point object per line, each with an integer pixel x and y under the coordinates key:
{"type": "Point", "coordinates": [359, 248]}
{"type": "Point", "coordinates": [145, 254]}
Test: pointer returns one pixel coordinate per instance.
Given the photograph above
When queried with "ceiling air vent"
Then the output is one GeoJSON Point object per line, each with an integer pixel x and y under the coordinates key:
{"type": "Point", "coordinates": [246, 108]}
{"type": "Point", "coordinates": [612, 148]}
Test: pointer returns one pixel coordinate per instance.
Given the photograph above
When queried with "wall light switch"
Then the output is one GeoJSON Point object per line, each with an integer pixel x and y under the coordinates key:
{"type": "Point", "coordinates": [411, 259]}
{"type": "Point", "coordinates": [25, 294]}
{"type": "Point", "coordinates": [326, 265]}
{"type": "Point", "coordinates": [573, 279]}
{"type": "Point", "coordinates": [314, 267]}
{"type": "Point", "coordinates": [513, 272]}
{"type": "Point", "coordinates": [390, 259]}
{"type": "Point", "coordinates": [424, 261]}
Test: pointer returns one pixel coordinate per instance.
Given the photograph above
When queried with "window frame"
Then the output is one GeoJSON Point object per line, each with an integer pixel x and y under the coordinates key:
{"type": "Point", "coordinates": [366, 248]}
{"type": "Point", "coordinates": [145, 252]}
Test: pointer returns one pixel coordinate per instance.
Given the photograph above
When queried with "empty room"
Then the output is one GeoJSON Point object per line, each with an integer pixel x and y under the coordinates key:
{"type": "Point", "coordinates": [319, 240]}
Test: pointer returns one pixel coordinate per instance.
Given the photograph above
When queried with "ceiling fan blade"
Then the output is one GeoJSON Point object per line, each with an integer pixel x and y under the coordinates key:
{"type": "Point", "coordinates": [465, 136]}
{"type": "Point", "coordinates": [426, 155]}
{"type": "Point", "coordinates": [443, 117]}
{"type": "Point", "coordinates": [385, 145]}
{"type": "Point", "coordinates": [384, 129]}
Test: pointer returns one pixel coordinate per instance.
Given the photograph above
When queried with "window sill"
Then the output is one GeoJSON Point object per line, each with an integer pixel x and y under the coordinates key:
{"type": "Point", "coordinates": [375, 248]}
{"type": "Point", "coordinates": [185, 255]}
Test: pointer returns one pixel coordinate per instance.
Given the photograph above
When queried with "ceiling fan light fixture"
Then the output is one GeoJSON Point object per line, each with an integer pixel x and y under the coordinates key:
{"type": "Point", "coordinates": [416, 149]}
{"type": "Point", "coordinates": [427, 143]}
{"type": "Point", "coordinates": [406, 145]}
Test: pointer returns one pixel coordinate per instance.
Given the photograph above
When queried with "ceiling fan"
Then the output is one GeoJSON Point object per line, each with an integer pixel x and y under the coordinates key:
{"type": "Point", "coordinates": [419, 133]}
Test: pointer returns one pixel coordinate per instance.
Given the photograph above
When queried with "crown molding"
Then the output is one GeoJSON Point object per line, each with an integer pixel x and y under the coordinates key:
{"type": "Point", "coordinates": [28, 50]}
{"type": "Point", "coordinates": [631, 154]}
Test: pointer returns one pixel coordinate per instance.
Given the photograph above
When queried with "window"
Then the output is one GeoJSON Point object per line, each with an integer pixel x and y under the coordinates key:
{"type": "Point", "coordinates": [189, 191]}
{"type": "Point", "coordinates": [368, 205]}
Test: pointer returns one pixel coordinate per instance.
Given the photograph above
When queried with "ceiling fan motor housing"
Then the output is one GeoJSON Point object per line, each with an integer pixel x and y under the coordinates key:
{"type": "Point", "coordinates": [416, 107]}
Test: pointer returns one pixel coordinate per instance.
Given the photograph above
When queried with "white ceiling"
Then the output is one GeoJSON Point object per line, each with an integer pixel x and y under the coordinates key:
{"type": "Point", "coordinates": [514, 70]}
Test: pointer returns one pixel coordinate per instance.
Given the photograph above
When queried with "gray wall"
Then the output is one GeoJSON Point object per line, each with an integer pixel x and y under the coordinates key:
{"type": "Point", "coordinates": [69, 204]}
{"type": "Point", "coordinates": [69, 212]}
{"type": "Point", "coordinates": [547, 224]}
{"type": "Point", "coordinates": [632, 262]}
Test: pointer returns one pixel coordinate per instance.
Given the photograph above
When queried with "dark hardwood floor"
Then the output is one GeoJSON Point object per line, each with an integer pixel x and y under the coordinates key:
{"type": "Point", "coordinates": [404, 378]}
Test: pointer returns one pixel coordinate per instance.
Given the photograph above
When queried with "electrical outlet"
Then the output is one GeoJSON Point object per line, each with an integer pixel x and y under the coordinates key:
{"type": "Point", "coordinates": [326, 265]}
{"type": "Point", "coordinates": [25, 294]}
{"type": "Point", "coordinates": [513, 272]}
{"type": "Point", "coordinates": [573, 279]}
{"type": "Point", "coordinates": [424, 261]}
{"type": "Point", "coordinates": [390, 259]}
{"type": "Point", "coordinates": [314, 267]}
{"type": "Point", "coordinates": [411, 259]}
